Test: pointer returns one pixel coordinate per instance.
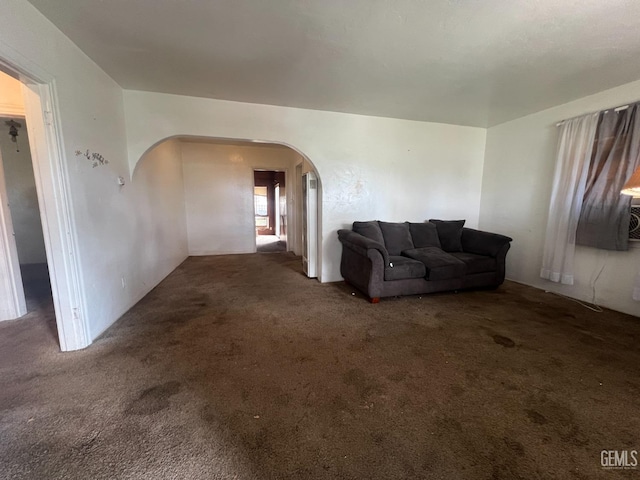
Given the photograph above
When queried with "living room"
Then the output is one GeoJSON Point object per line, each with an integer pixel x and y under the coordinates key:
{"type": "Point", "coordinates": [456, 158]}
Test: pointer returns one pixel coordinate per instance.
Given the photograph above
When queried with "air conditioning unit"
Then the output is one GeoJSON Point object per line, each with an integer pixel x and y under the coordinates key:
{"type": "Point", "coordinates": [634, 224]}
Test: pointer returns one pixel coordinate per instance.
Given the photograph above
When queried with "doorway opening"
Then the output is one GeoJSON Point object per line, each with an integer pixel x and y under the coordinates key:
{"type": "Point", "coordinates": [23, 219]}
{"type": "Point", "coordinates": [28, 97]}
{"type": "Point", "coordinates": [221, 199]}
{"type": "Point", "coordinates": [270, 204]}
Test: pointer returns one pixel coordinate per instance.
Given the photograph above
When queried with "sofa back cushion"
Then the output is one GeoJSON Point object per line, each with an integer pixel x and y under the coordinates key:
{"type": "Point", "coordinates": [397, 237]}
{"type": "Point", "coordinates": [424, 235]}
{"type": "Point", "coordinates": [370, 230]}
{"type": "Point", "coordinates": [450, 234]}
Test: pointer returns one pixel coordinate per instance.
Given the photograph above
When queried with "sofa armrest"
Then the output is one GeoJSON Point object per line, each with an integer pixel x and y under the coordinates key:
{"type": "Point", "coordinates": [484, 243]}
{"type": "Point", "coordinates": [362, 244]}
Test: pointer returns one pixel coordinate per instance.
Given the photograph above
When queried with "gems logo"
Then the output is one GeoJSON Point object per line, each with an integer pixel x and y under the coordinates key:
{"type": "Point", "coordinates": [619, 459]}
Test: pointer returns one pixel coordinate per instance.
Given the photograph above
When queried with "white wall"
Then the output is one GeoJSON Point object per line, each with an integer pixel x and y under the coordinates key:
{"type": "Point", "coordinates": [369, 167]}
{"type": "Point", "coordinates": [160, 241]}
{"type": "Point", "coordinates": [21, 191]}
{"type": "Point", "coordinates": [218, 184]}
{"type": "Point", "coordinates": [516, 188]}
{"type": "Point", "coordinates": [114, 232]}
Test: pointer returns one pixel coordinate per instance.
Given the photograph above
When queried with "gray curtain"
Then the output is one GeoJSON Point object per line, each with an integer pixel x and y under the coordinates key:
{"type": "Point", "coordinates": [605, 214]}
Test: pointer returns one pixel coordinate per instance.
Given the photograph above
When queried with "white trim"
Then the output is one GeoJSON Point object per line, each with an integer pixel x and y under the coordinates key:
{"type": "Point", "coordinates": [52, 184]}
{"type": "Point", "coordinates": [56, 211]}
{"type": "Point", "coordinates": [297, 186]}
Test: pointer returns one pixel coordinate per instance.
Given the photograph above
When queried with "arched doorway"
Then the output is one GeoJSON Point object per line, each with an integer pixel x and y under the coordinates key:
{"type": "Point", "coordinates": [219, 195]}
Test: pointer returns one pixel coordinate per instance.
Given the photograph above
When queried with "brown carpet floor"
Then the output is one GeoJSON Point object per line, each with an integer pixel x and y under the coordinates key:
{"type": "Point", "coordinates": [270, 244]}
{"type": "Point", "coordinates": [240, 367]}
{"type": "Point", "coordinates": [37, 288]}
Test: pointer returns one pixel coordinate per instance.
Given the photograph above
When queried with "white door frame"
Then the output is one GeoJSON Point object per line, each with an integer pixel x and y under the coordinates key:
{"type": "Point", "coordinates": [297, 215]}
{"type": "Point", "coordinates": [276, 209]}
{"type": "Point", "coordinates": [54, 199]}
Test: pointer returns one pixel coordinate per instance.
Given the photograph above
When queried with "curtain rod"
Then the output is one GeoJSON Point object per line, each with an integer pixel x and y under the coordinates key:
{"type": "Point", "coordinates": [615, 109]}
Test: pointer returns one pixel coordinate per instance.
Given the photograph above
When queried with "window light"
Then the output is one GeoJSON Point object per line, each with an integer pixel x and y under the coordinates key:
{"type": "Point", "coordinates": [632, 187]}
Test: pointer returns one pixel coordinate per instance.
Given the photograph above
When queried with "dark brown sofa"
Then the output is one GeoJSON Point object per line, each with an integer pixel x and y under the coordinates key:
{"type": "Point", "coordinates": [384, 259]}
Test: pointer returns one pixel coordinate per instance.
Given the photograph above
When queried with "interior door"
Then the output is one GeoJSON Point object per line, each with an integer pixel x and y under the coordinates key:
{"type": "Point", "coordinates": [12, 301]}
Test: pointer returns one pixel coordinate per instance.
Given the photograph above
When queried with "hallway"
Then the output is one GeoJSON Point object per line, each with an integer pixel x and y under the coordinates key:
{"type": "Point", "coordinates": [270, 243]}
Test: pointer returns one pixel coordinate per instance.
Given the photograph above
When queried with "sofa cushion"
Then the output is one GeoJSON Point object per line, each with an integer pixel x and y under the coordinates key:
{"type": "Point", "coordinates": [450, 234]}
{"type": "Point", "coordinates": [477, 263]}
{"type": "Point", "coordinates": [402, 268]}
{"type": "Point", "coordinates": [397, 237]}
{"type": "Point", "coordinates": [361, 244]}
{"type": "Point", "coordinates": [483, 243]}
{"type": "Point", "coordinates": [424, 235]}
{"type": "Point", "coordinates": [440, 265]}
{"type": "Point", "coordinates": [370, 230]}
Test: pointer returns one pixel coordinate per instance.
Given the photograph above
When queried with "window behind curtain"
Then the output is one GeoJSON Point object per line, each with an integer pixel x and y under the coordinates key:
{"type": "Point", "coordinates": [605, 214]}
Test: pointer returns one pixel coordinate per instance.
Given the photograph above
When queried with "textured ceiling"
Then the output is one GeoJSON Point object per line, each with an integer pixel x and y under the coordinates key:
{"type": "Point", "coordinates": [467, 62]}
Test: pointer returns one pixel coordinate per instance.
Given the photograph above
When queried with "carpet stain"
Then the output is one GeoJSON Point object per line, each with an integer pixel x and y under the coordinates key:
{"type": "Point", "coordinates": [154, 399]}
{"type": "Point", "coordinates": [283, 400]}
{"type": "Point", "coordinates": [536, 417]}
{"type": "Point", "coordinates": [304, 358]}
{"type": "Point", "coordinates": [556, 362]}
{"type": "Point", "coordinates": [504, 341]}
{"type": "Point", "coordinates": [472, 375]}
{"type": "Point", "coordinates": [451, 424]}
{"type": "Point", "coordinates": [515, 446]}
{"type": "Point", "coordinates": [590, 340]}
{"type": "Point", "coordinates": [398, 376]}
{"type": "Point", "coordinates": [506, 472]}
{"type": "Point", "coordinates": [378, 437]}
{"type": "Point", "coordinates": [244, 394]}
{"type": "Point", "coordinates": [209, 414]}
{"type": "Point", "coordinates": [457, 390]}
{"type": "Point", "coordinates": [230, 349]}
{"type": "Point", "coordinates": [365, 386]}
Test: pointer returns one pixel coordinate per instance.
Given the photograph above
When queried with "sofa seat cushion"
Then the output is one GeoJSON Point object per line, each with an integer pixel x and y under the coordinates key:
{"type": "Point", "coordinates": [477, 263]}
{"type": "Point", "coordinates": [402, 268]}
{"type": "Point", "coordinates": [440, 265]}
{"type": "Point", "coordinates": [397, 237]}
